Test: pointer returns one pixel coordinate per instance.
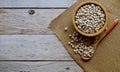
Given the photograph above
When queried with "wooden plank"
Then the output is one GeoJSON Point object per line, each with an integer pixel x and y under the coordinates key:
{"type": "Point", "coordinates": [19, 21]}
{"type": "Point", "coordinates": [35, 3]}
{"type": "Point", "coordinates": [32, 47]}
{"type": "Point", "coordinates": [39, 67]}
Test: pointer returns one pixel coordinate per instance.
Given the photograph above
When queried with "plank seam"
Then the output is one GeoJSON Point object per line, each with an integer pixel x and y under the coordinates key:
{"type": "Point", "coordinates": [34, 7]}
{"type": "Point", "coordinates": [36, 60]}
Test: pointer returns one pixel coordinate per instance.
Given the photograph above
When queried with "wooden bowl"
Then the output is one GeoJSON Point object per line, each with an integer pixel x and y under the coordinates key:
{"type": "Point", "coordinates": [96, 33]}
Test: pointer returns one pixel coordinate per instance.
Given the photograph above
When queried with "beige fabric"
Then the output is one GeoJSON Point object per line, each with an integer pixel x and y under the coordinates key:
{"type": "Point", "coordinates": [107, 56]}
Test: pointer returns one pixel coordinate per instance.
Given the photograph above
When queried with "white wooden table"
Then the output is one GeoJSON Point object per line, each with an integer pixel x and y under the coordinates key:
{"type": "Point", "coordinates": [27, 44]}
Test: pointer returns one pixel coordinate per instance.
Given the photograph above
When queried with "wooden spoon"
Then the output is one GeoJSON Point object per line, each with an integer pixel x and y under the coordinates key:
{"type": "Point", "coordinates": [94, 46]}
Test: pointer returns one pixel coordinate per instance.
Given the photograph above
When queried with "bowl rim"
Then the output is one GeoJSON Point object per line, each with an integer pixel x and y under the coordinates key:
{"type": "Point", "coordinates": [101, 30]}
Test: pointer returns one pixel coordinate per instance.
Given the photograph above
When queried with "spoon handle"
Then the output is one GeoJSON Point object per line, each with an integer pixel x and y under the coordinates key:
{"type": "Point", "coordinates": [110, 28]}
{"type": "Point", "coordinates": [114, 23]}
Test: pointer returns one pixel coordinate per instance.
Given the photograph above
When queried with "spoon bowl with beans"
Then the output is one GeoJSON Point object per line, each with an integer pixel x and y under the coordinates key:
{"type": "Point", "coordinates": [89, 52]}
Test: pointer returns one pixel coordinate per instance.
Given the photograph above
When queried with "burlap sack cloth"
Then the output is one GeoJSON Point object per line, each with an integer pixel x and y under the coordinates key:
{"type": "Point", "coordinates": [107, 56]}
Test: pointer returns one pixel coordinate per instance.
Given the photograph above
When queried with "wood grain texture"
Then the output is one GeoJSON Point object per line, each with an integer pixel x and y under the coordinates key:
{"type": "Point", "coordinates": [39, 67]}
{"type": "Point", "coordinates": [35, 3]}
{"type": "Point", "coordinates": [28, 51]}
{"type": "Point", "coordinates": [19, 21]}
{"type": "Point", "coordinates": [32, 47]}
